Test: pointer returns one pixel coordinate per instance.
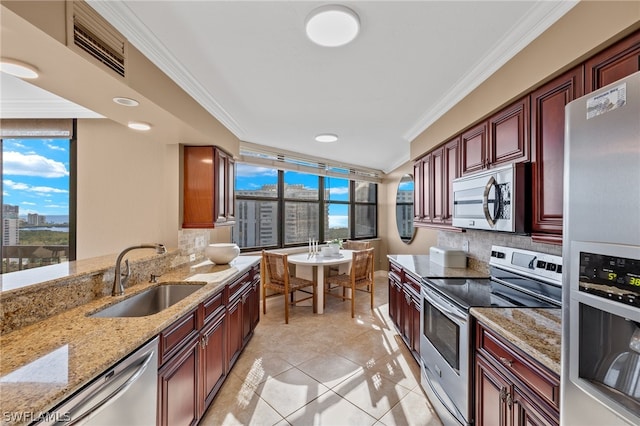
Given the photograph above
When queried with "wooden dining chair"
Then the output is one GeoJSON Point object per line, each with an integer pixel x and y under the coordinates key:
{"type": "Point", "coordinates": [275, 276]}
{"type": "Point", "coordinates": [359, 278]}
{"type": "Point", "coordinates": [356, 245]}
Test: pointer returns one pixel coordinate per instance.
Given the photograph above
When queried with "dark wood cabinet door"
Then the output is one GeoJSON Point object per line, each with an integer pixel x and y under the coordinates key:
{"type": "Point", "coordinates": [452, 171]}
{"type": "Point", "coordinates": [612, 64]}
{"type": "Point", "coordinates": [247, 314]}
{"type": "Point", "coordinates": [415, 328]}
{"type": "Point", "coordinates": [547, 135]}
{"type": "Point", "coordinates": [427, 189]}
{"type": "Point", "coordinates": [255, 302]}
{"type": "Point", "coordinates": [407, 318]}
{"type": "Point", "coordinates": [417, 191]}
{"type": "Point", "coordinates": [213, 355]}
{"type": "Point", "coordinates": [438, 173]}
{"type": "Point", "coordinates": [234, 334]}
{"type": "Point", "coordinates": [230, 190]}
{"type": "Point", "coordinates": [473, 151]}
{"type": "Point", "coordinates": [509, 134]}
{"type": "Point", "coordinates": [492, 390]}
{"type": "Point", "coordinates": [198, 187]}
{"type": "Point", "coordinates": [222, 176]}
{"type": "Point", "coordinates": [394, 290]}
{"type": "Point", "coordinates": [178, 387]}
{"type": "Point", "coordinates": [526, 413]}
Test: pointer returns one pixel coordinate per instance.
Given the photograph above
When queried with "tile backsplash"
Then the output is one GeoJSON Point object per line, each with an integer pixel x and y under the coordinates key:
{"type": "Point", "coordinates": [480, 243]}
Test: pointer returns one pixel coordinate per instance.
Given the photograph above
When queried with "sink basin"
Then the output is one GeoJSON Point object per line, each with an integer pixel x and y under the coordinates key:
{"type": "Point", "coordinates": [150, 301]}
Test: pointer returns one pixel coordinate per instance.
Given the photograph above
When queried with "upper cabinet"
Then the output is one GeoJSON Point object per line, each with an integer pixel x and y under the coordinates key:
{"type": "Point", "coordinates": [208, 187]}
{"type": "Point", "coordinates": [528, 130]}
{"type": "Point", "coordinates": [547, 134]}
{"type": "Point", "coordinates": [502, 139]}
{"type": "Point", "coordinates": [433, 177]}
{"type": "Point", "coordinates": [612, 64]}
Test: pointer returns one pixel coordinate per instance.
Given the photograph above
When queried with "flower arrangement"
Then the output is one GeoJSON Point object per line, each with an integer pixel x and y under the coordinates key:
{"type": "Point", "coordinates": [336, 241]}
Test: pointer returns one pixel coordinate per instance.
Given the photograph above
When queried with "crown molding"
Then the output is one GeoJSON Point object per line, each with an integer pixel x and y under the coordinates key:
{"type": "Point", "coordinates": [542, 16]}
{"type": "Point", "coordinates": [118, 14]}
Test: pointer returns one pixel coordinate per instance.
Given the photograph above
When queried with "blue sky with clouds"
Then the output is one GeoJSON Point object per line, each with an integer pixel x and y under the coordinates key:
{"type": "Point", "coordinates": [254, 177]}
{"type": "Point", "coordinates": [35, 175]}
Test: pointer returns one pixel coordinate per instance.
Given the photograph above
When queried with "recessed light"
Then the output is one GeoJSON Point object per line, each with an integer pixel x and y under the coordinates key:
{"type": "Point", "coordinates": [326, 137]}
{"type": "Point", "coordinates": [139, 125]}
{"type": "Point", "coordinates": [18, 68]}
{"type": "Point", "coordinates": [126, 101]}
{"type": "Point", "coordinates": [332, 25]}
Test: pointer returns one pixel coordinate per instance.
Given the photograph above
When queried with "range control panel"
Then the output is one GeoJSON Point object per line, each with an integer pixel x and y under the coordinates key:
{"type": "Point", "coordinates": [538, 265]}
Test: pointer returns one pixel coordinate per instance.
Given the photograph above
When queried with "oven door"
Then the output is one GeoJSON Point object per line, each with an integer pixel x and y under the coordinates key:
{"type": "Point", "coordinates": [444, 350]}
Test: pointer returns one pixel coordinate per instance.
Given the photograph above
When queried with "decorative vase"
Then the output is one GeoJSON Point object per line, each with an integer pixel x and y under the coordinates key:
{"type": "Point", "coordinates": [222, 253]}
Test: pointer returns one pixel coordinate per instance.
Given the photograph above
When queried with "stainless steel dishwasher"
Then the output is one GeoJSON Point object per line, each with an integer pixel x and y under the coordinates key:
{"type": "Point", "coordinates": [124, 394]}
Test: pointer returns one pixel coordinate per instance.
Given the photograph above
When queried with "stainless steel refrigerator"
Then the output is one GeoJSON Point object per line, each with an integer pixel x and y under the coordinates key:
{"type": "Point", "coordinates": [600, 383]}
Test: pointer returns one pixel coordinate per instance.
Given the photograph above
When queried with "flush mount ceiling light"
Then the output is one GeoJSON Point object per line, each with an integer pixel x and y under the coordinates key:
{"type": "Point", "coordinates": [332, 25]}
{"type": "Point", "coordinates": [326, 137]}
{"type": "Point", "coordinates": [18, 68]}
{"type": "Point", "coordinates": [139, 125]}
{"type": "Point", "coordinates": [126, 101]}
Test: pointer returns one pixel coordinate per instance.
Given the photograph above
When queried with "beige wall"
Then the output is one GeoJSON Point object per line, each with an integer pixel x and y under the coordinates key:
{"type": "Point", "coordinates": [582, 31]}
{"type": "Point", "coordinates": [387, 229]}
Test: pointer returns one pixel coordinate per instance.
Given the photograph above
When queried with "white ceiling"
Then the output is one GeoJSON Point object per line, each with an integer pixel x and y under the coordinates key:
{"type": "Point", "coordinates": [251, 66]}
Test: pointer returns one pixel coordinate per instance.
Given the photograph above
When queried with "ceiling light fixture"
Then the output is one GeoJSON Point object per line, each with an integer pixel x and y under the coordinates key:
{"type": "Point", "coordinates": [326, 137]}
{"type": "Point", "coordinates": [139, 125]}
{"type": "Point", "coordinates": [18, 68]}
{"type": "Point", "coordinates": [332, 25]}
{"type": "Point", "coordinates": [126, 101]}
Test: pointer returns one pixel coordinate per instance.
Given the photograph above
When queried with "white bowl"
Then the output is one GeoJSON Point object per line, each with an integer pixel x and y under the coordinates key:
{"type": "Point", "coordinates": [222, 253]}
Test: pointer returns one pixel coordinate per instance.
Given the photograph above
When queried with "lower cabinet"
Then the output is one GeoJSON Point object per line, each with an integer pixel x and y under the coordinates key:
{"type": "Point", "coordinates": [404, 307]}
{"type": "Point", "coordinates": [510, 387]}
{"type": "Point", "coordinates": [198, 350]}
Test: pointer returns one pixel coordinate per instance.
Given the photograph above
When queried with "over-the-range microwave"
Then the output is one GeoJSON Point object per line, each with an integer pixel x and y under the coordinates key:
{"type": "Point", "coordinates": [492, 200]}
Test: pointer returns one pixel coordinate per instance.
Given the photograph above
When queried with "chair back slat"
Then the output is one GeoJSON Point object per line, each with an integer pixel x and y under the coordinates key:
{"type": "Point", "coordinates": [356, 245]}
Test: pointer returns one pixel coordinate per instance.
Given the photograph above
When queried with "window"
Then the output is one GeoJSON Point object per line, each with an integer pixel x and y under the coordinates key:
{"type": "Point", "coordinates": [38, 198]}
{"type": "Point", "coordinates": [307, 206]}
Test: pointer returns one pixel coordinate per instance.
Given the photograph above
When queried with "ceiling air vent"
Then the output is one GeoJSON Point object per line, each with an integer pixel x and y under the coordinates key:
{"type": "Point", "coordinates": [98, 38]}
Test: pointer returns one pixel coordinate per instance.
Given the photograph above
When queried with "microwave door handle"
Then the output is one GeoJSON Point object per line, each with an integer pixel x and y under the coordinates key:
{"type": "Point", "coordinates": [485, 201]}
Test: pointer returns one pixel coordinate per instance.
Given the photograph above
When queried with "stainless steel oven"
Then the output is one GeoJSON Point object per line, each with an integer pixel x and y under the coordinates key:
{"type": "Point", "coordinates": [519, 278]}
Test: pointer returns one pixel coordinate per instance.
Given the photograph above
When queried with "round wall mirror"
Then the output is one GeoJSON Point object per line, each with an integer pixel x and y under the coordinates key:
{"type": "Point", "coordinates": [404, 209]}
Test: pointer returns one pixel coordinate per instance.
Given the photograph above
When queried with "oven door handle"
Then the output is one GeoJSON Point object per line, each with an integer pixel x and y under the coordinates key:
{"type": "Point", "coordinates": [444, 307]}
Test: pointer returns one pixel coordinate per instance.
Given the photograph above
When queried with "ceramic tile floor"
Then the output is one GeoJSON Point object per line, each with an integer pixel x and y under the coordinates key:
{"type": "Point", "coordinates": [325, 369]}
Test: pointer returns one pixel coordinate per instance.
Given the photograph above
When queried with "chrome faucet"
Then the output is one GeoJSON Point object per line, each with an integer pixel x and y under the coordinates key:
{"type": "Point", "coordinates": [120, 278]}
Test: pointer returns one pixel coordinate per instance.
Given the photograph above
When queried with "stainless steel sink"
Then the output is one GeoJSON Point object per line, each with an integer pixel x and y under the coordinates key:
{"type": "Point", "coordinates": [150, 301]}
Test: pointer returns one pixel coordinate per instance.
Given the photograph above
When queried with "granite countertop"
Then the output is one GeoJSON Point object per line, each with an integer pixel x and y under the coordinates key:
{"type": "Point", "coordinates": [43, 363]}
{"type": "Point", "coordinates": [537, 332]}
{"type": "Point", "coordinates": [422, 266]}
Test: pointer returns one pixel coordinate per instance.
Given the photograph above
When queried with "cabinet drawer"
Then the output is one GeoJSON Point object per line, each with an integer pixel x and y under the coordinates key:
{"type": "Point", "coordinates": [395, 269]}
{"type": "Point", "coordinates": [545, 384]}
{"type": "Point", "coordinates": [235, 288]}
{"type": "Point", "coordinates": [212, 306]}
{"type": "Point", "coordinates": [413, 283]}
{"type": "Point", "coordinates": [178, 333]}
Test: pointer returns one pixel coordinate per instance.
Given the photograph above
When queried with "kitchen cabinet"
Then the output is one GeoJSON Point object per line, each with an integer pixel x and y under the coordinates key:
{"type": "Point", "coordinates": [510, 387]}
{"type": "Point", "coordinates": [208, 187]}
{"type": "Point", "coordinates": [242, 312]}
{"type": "Point", "coordinates": [612, 64]}
{"type": "Point", "coordinates": [547, 135]}
{"type": "Point", "coordinates": [405, 307]}
{"type": "Point", "coordinates": [501, 139]}
{"type": "Point", "coordinates": [198, 350]}
{"type": "Point", "coordinates": [433, 185]}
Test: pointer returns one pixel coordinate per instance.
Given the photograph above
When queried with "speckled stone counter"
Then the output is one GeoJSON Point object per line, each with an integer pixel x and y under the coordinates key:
{"type": "Point", "coordinates": [537, 332]}
{"type": "Point", "coordinates": [421, 266]}
{"type": "Point", "coordinates": [43, 363]}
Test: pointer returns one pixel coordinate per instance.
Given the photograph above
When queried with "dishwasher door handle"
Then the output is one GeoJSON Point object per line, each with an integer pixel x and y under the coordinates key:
{"type": "Point", "coordinates": [134, 371]}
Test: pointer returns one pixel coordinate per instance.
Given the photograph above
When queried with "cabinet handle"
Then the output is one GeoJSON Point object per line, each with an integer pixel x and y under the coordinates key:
{"type": "Point", "coordinates": [505, 361]}
{"type": "Point", "coordinates": [509, 401]}
{"type": "Point", "coordinates": [202, 342]}
{"type": "Point", "coordinates": [503, 394]}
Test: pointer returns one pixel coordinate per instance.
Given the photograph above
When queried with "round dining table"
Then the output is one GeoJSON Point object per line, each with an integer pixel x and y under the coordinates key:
{"type": "Point", "coordinates": [305, 263]}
